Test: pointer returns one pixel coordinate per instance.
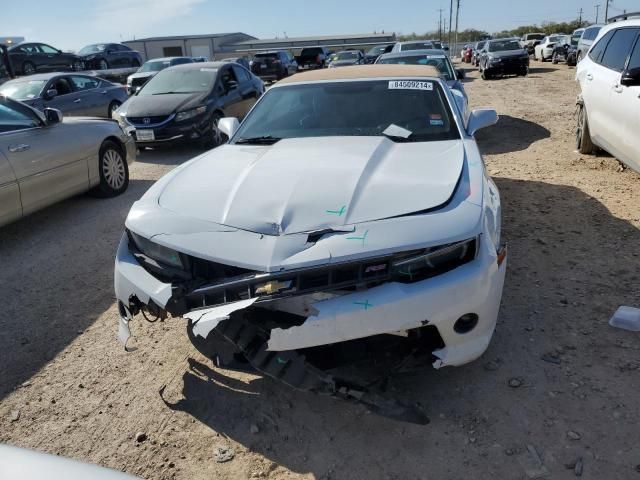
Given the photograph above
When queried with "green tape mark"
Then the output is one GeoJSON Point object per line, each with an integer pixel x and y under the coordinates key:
{"type": "Point", "coordinates": [338, 212]}
{"type": "Point", "coordinates": [362, 238]}
{"type": "Point", "coordinates": [364, 304]}
{"type": "Point", "coordinates": [281, 361]}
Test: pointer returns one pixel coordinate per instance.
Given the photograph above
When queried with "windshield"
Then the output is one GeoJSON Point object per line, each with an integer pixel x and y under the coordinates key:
{"type": "Point", "coordinates": [180, 80]}
{"type": "Point", "coordinates": [23, 90]}
{"type": "Point", "coordinates": [347, 56]}
{"type": "Point", "coordinates": [403, 110]}
{"type": "Point", "coordinates": [416, 46]}
{"type": "Point", "coordinates": [534, 36]}
{"type": "Point", "coordinates": [376, 50]}
{"type": "Point", "coordinates": [441, 62]}
{"type": "Point", "coordinates": [576, 38]}
{"type": "Point", "coordinates": [154, 66]}
{"type": "Point", "coordinates": [92, 49]}
{"type": "Point", "coordinates": [555, 38]}
{"type": "Point", "coordinates": [502, 45]}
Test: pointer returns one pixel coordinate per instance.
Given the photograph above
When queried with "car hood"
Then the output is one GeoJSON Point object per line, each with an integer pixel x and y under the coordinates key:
{"type": "Point", "coordinates": [310, 184]}
{"type": "Point", "coordinates": [508, 53]}
{"type": "Point", "coordinates": [155, 105]}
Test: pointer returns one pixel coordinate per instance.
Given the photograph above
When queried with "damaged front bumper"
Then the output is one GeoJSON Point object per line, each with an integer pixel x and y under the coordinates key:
{"type": "Point", "coordinates": [462, 304]}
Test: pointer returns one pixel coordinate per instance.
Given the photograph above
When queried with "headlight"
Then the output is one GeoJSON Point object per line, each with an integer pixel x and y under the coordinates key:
{"type": "Point", "coordinates": [187, 114]}
{"type": "Point", "coordinates": [157, 252]}
{"type": "Point", "coordinates": [129, 80]}
{"type": "Point", "coordinates": [495, 60]}
{"type": "Point", "coordinates": [435, 261]}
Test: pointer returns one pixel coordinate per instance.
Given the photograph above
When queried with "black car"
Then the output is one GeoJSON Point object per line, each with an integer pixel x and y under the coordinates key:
{"type": "Point", "coordinates": [372, 55]}
{"type": "Point", "coordinates": [239, 60]}
{"type": "Point", "coordinates": [566, 51]}
{"type": "Point", "coordinates": [29, 58]}
{"type": "Point", "coordinates": [347, 58]}
{"type": "Point", "coordinates": [185, 103]}
{"type": "Point", "coordinates": [6, 68]}
{"type": "Point", "coordinates": [273, 65]}
{"type": "Point", "coordinates": [151, 68]}
{"type": "Point", "coordinates": [503, 56]}
{"type": "Point", "coordinates": [102, 56]}
{"type": "Point", "coordinates": [313, 57]}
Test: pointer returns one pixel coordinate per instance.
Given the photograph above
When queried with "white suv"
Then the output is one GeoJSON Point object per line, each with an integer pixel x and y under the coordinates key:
{"type": "Point", "coordinates": [609, 104]}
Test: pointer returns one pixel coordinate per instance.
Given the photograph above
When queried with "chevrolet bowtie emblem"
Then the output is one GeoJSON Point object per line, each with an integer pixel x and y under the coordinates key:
{"type": "Point", "coordinates": [272, 287]}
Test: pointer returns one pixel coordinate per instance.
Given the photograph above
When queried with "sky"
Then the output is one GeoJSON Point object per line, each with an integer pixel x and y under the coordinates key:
{"type": "Point", "coordinates": [72, 24]}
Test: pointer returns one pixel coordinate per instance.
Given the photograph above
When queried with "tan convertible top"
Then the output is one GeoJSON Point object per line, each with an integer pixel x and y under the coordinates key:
{"type": "Point", "coordinates": [364, 71]}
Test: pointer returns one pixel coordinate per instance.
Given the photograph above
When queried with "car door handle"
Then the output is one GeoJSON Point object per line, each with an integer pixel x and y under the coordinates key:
{"type": "Point", "coordinates": [617, 88]}
{"type": "Point", "coordinates": [589, 76]}
{"type": "Point", "coordinates": [23, 147]}
{"type": "Point", "coordinates": [104, 92]}
{"type": "Point", "coordinates": [77, 100]}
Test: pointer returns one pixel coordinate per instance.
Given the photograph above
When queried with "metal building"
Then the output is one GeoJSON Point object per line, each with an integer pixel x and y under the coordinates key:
{"type": "Point", "coordinates": [188, 45]}
{"type": "Point", "coordinates": [333, 42]}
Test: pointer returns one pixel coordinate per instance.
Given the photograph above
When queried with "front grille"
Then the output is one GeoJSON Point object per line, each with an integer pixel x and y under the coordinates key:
{"type": "Point", "coordinates": [233, 284]}
{"type": "Point", "coordinates": [140, 121]}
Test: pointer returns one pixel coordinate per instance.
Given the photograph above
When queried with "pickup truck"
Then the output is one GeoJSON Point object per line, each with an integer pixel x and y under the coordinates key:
{"type": "Point", "coordinates": [312, 57]}
{"type": "Point", "coordinates": [530, 40]}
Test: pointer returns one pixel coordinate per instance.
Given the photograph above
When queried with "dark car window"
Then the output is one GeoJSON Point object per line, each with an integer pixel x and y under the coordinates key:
{"type": "Point", "coordinates": [47, 49]}
{"type": "Point", "coordinates": [241, 73]}
{"type": "Point", "coordinates": [350, 55]}
{"type": "Point", "coordinates": [12, 118]}
{"type": "Point", "coordinates": [591, 33]}
{"type": "Point", "coordinates": [61, 85]}
{"type": "Point", "coordinates": [634, 60]}
{"type": "Point", "coordinates": [92, 49]}
{"type": "Point", "coordinates": [154, 66]}
{"type": "Point", "coordinates": [403, 110]}
{"type": "Point", "coordinates": [618, 49]}
{"type": "Point", "coordinates": [596, 51]}
{"type": "Point", "coordinates": [180, 61]}
{"type": "Point", "coordinates": [439, 61]}
{"type": "Point", "coordinates": [266, 55]}
{"type": "Point", "coordinates": [84, 83]}
{"type": "Point", "coordinates": [416, 46]}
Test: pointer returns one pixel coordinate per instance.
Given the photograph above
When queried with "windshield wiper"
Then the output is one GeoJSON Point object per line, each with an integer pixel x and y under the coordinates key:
{"type": "Point", "coordinates": [263, 140]}
{"type": "Point", "coordinates": [169, 93]}
{"type": "Point", "coordinates": [398, 138]}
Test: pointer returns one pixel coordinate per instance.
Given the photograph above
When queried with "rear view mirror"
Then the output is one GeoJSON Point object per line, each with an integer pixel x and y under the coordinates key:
{"type": "Point", "coordinates": [50, 94]}
{"type": "Point", "coordinates": [481, 118]}
{"type": "Point", "coordinates": [631, 78]}
{"type": "Point", "coordinates": [228, 126]}
{"type": "Point", "coordinates": [53, 115]}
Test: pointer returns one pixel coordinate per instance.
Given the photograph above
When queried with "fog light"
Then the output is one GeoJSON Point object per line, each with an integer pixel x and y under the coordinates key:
{"type": "Point", "coordinates": [466, 323]}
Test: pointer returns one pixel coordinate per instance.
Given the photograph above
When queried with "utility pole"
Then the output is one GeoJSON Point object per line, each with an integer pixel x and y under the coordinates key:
{"type": "Point", "coordinates": [457, 17]}
{"type": "Point", "coordinates": [440, 25]}
{"type": "Point", "coordinates": [450, 20]}
{"type": "Point", "coordinates": [597, 11]}
{"type": "Point", "coordinates": [606, 10]}
{"type": "Point", "coordinates": [580, 21]}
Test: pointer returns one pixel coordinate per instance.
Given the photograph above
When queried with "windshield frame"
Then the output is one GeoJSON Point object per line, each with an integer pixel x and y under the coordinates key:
{"type": "Point", "coordinates": [450, 105]}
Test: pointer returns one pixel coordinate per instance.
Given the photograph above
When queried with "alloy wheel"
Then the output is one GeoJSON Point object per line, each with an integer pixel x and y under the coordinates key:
{"type": "Point", "coordinates": [103, 65]}
{"type": "Point", "coordinates": [113, 168]}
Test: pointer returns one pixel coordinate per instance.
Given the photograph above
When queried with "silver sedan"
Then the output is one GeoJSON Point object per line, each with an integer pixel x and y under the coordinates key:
{"type": "Point", "coordinates": [73, 94]}
{"type": "Point", "coordinates": [44, 159]}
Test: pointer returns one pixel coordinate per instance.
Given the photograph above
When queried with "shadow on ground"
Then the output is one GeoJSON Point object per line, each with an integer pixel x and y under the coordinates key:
{"type": "Point", "coordinates": [307, 433]}
{"type": "Point", "coordinates": [510, 134]}
{"type": "Point", "coordinates": [169, 155]}
{"type": "Point", "coordinates": [534, 70]}
{"type": "Point", "coordinates": [56, 261]}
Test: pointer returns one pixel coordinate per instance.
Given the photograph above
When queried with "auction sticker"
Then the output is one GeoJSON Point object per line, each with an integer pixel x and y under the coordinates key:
{"type": "Point", "coordinates": [410, 85]}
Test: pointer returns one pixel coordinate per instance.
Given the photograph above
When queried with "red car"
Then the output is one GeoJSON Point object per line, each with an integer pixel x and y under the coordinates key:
{"type": "Point", "coordinates": [468, 55]}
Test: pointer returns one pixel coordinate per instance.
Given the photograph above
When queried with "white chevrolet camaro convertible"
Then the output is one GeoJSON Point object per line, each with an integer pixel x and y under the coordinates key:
{"type": "Point", "coordinates": [351, 204]}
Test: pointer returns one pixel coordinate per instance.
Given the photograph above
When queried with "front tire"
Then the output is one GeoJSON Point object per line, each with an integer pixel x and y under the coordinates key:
{"type": "Point", "coordinates": [114, 171]}
{"type": "Point", "coordinates": [554, 58]}
{"type": "Point", "coordinates": [77, 66]}
{"type": "Point", "coordinates": [113, 106]}
{"type": "Point", "coordinates": [103, 64]}
{"type": "Point", "coordinates": [579, 57]}
{"type": "Point", "coordinates": [28, 68]}
{"type": "Point", "coordinates": [486, 75]}
{"type": "Point", "coordinates": [214, 137]}
{"type": "Point", "coordinates": [584, 144]}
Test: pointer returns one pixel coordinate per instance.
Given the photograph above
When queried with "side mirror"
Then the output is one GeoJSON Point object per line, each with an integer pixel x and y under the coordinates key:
{"type": "Point", "coordinates": [460, 74]}
{"type": "Point", "coordinates": [50, 94]}
{"type": "Point", "coordinates": [631, 78]}
{"type": "Point", "coordinates": [231, 85]}
{"type": "Point", "coordinates": [228, 126]}
{"type": "Point", "coordinates": [480, 118]}
{"type": "Point", "coordinates": [53, 115]}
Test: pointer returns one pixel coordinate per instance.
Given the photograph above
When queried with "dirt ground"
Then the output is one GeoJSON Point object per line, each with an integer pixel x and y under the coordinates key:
{"type": "Point", "coordinates": [557, 385]}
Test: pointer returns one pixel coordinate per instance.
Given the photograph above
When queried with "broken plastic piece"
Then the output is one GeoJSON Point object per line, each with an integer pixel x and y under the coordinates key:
{"type": "Point", "coordinates": [207, 319]}
{"type": "Point", "coordinates": [626, 318]}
